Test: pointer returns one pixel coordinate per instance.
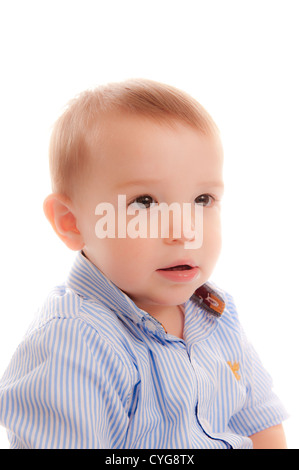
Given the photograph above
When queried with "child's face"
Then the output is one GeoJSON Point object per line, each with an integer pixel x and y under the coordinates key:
{"type": "Point", "coordinates": [138, 157]}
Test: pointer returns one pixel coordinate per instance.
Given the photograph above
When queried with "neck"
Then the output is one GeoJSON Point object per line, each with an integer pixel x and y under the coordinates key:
{"type": "Point", "coordinates": [171, 317]}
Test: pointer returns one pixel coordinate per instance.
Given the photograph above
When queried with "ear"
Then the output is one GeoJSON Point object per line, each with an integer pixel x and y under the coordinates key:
{"type": "Point", "coordinates": [59, 212]}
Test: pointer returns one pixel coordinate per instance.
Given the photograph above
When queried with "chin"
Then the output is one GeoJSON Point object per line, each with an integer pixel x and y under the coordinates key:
{"type": "Point", "coordinates": [176, 297]}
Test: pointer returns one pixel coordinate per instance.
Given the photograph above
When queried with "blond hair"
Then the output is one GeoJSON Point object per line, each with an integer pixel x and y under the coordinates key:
{"type": "Point", "coordinates": [69, 144]}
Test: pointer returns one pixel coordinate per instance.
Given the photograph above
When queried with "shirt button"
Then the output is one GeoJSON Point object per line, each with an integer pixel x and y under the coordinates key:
{"type": "Point", "coordinates": [135, 318]}
{"type": "Point", "coordinates": [150, 326]}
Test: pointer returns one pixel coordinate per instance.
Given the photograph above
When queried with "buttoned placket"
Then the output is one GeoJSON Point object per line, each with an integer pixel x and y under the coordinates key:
{"type": "Point", "coordinates": [210, 323]}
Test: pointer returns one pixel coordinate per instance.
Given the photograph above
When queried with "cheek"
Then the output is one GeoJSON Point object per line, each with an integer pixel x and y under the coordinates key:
{"type": "Point", "coordinates": [212, 237]}
{"type": "Point", "coordinates": [123, 260]}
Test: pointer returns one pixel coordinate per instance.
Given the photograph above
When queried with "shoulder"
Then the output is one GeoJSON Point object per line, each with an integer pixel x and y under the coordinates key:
{"type": "Point", "coordinates": [67, 320]}
{"type": "Point", "coordinates": [60, 303]}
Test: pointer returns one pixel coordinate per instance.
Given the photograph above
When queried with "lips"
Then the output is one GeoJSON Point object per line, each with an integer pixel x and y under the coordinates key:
{"type": "Point", "coordinates": [182, 271]}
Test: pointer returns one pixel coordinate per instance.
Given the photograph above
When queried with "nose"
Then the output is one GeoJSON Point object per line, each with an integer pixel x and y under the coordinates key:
{"type": "Point", "coordinates": [181, 225]}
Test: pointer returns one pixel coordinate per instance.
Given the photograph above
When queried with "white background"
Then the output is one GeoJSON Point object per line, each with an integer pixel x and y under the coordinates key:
{"type": "Point", "coordinates": [239, 58]}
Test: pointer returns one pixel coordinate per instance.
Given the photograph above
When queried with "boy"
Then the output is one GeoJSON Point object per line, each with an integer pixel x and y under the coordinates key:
{"type": "Point", "coordinates": [137, 349]}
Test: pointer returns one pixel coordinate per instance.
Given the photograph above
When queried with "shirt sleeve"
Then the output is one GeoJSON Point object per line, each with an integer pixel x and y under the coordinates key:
{"type": "Point", "coordinates": [65, 388]}
{"type": "Point", "coordinates": [262, 408]}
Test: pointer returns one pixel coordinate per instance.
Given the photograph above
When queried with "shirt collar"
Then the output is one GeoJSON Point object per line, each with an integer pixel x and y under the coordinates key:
{"type": "Point", "coordinates": [89, 282]}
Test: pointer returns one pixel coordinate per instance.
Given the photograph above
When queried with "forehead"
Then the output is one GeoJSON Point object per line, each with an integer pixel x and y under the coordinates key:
{"type": "Point", "coordinates": [126, 144]}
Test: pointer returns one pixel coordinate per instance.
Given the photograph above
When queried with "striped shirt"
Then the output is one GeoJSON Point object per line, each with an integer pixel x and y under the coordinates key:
{"type": "Point", "coordinates": [95, 371]}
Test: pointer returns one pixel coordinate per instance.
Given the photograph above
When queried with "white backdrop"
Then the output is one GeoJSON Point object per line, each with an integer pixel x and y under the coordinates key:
{"type": "Point", "coordinates": [239, 58]}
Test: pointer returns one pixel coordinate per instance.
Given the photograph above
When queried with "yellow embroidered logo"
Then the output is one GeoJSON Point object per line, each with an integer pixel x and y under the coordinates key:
{"type": "Point", "coordinates": [235, 367]}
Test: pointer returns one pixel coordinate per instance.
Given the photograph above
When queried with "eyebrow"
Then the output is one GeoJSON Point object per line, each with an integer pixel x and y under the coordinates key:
{"type": "Point", "coordinates": [138, 182]}
{"type": "Point", "coordinates": [142, 182]}
{"type": "Point", "coordinates": [214, 184]}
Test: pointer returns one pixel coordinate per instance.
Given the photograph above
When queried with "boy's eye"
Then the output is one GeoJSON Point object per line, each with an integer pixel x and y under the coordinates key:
{"type": "Point", "coordinates": [143, 202]}
{"type": "Point", "coordinates": [205, 200]}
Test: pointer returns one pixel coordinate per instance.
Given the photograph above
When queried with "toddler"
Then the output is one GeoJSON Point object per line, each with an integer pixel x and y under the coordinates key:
{"type": "Point", "coordinates": [138, 348]}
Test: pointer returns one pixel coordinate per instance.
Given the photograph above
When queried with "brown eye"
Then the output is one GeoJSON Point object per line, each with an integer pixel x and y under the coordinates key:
{"type": "Point", "coordinates": [143, 202]}
{"type": "Point", "coordinates": [205, 200]}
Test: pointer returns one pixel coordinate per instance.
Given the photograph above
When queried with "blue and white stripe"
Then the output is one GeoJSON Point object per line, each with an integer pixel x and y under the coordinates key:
{"type": "Point", "coordinates": [95, 371]}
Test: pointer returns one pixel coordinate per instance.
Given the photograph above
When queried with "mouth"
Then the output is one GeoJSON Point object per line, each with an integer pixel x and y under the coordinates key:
{"type": "Point", "coordinates": [180, 272]}
{"type": "Point", "coordinates": [179, 267]}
